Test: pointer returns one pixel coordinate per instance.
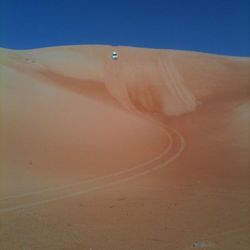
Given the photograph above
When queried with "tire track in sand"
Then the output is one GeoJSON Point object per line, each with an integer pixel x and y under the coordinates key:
{"type": "Point", "coordinates": [172, 152]}
{"type": "Point", "coordinates": [140, 165]}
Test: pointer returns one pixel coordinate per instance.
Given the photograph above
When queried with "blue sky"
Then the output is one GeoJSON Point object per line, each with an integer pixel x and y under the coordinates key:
{"type": "Point", "coordinates": [215, 26]}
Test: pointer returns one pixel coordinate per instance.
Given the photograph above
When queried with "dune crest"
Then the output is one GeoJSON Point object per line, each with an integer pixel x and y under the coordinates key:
{"type": "Point", "coordinates": [147, 80]}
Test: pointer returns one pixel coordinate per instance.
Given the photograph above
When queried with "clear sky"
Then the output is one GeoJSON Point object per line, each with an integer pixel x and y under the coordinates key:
{"type": "Point", "coordinates": [216, 26]}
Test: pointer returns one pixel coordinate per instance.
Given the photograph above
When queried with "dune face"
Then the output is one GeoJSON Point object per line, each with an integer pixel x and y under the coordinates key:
{"type": "Point", "coordinates": [149, 81]}
{"type": "Point", "coordinates": [148, 151]}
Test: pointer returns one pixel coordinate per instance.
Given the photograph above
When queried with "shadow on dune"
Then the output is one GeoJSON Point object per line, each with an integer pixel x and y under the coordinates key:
{"type": "Point", "coordinates": [90, 88]}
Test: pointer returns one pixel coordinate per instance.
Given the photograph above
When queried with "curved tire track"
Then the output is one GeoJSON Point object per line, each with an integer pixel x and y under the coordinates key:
{"type": "Point", "coordinates": [29, 200]}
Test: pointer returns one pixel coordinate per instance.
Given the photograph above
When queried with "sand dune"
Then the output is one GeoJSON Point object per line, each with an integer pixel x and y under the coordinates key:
{"type": "Point", "coordinates": [150, 151]}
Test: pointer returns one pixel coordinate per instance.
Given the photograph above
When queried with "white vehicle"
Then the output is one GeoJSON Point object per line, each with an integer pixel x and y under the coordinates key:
{"type": "Point", "coordinates": [114, 55]}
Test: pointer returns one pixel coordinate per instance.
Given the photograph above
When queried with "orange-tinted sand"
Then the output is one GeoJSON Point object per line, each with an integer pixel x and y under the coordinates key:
{"type": "Point", "coordinates": [150, 151]}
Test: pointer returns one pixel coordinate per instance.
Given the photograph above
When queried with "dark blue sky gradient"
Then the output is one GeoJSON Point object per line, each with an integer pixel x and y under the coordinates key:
{"type": "Point", "coordinates": [216, 26]}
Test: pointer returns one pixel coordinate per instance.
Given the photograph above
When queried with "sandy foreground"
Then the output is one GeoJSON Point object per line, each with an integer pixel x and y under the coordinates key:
{"type": "Point", "coordinates": [150, 151]}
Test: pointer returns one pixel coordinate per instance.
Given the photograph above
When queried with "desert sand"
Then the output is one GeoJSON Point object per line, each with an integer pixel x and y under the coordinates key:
{"type": "Point", "coordinates": [150, 151]}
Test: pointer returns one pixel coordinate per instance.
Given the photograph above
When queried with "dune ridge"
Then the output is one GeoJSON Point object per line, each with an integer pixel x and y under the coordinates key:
{"type": "Point", "coordinates": [147, 80]}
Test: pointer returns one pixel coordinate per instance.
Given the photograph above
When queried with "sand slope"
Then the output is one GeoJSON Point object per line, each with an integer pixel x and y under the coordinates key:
{"type": "Point", "coordinates": [150, 151]}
